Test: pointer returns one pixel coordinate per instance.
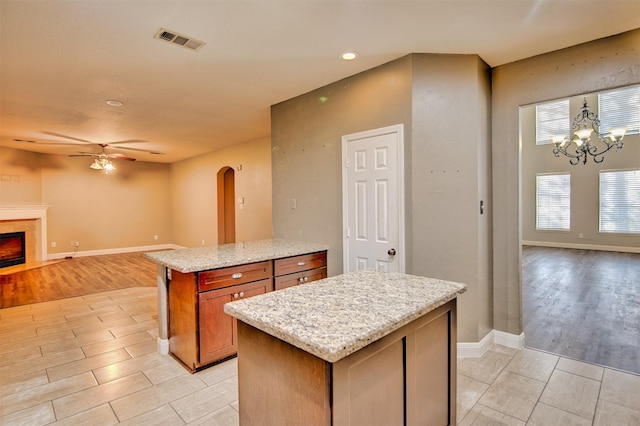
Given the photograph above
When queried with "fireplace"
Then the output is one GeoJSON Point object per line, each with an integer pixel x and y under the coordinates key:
{"type": "Point", "coordinates": [12, 249]}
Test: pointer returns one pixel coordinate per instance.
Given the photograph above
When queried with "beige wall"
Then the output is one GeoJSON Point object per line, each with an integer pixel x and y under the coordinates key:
{"type": "Point", "coordinates": [443, 102]}
{"type": "Point", "coordinates": [20, 177]}
{"type": "Point", "coordinates": [123, 209]}
{"type": "Point", "coordinates": [590, 67]}
{"type": "Point", "coordinates": [194, 195]}
{"type": "Point", "coordinates": [584, 186]}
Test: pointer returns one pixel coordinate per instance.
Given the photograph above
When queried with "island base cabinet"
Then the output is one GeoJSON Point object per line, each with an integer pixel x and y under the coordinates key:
{"type": "Point", "coordinates": [406, 378]}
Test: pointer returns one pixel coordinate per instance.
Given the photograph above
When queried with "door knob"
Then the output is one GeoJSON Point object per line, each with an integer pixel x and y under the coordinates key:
{"type": "Point", "coordinates": [391, 252]}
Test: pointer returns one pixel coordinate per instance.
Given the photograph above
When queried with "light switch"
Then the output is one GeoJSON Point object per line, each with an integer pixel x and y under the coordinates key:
{"type": "Point", "coordinates": [294, 204]}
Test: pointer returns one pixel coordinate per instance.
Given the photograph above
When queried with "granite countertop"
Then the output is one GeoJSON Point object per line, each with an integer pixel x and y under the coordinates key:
{"type": "Point", "coordinates": [335, 317]}
{"type": "Point", "coordinates": [214, 257]}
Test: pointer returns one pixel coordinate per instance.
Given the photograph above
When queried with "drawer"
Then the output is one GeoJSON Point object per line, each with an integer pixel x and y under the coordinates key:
{"type": "Point", "coordinates": [290, 280]}
{"type": "Point", "coordinates": [304, 262]}
{"type": "Point", "coordinates": [234, 275]}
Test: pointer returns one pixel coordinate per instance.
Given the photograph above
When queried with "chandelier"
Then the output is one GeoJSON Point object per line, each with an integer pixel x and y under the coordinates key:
{"type": "Point", "coordinates": [102, 163]}
{"type": "Point", "coordinates": [585, 124]}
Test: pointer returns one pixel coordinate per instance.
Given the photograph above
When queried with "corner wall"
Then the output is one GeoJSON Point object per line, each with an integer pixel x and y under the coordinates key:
{"type": "Point", "coordinates": [602, 64]}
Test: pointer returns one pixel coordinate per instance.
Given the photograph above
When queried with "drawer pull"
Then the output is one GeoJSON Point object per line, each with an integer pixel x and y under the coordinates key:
{"type": "Point", "coordinates": [303, 279]}
{"type": "Point", "coordinates": [237, 275]}
{"type": "Point", "coordinates": [241, 294]}
{"type": "Point", "coordinates": [301, 263]}
{"type": "Point", "coordinates": [236, 295]}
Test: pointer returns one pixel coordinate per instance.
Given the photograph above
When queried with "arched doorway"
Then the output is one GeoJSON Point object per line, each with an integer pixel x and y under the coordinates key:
{"type": "Point", "coordinates": [226, 206]}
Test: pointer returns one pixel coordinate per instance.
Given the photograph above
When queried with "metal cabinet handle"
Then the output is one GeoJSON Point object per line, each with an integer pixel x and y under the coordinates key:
{"type": "Point", "coordinates": [301, 263]}
{"type": "Point", "coordinates": [237, 275]}
{"type": "Point", "coordinates": [241, 294]}
{"type": "Point", "coordinates": [236, 295]}
{"type": "Point", "coordinates": [301, 280]}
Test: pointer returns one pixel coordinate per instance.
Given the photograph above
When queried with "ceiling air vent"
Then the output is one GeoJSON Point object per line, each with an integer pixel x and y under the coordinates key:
{"type": "Point", "coordinates": [179, 39]}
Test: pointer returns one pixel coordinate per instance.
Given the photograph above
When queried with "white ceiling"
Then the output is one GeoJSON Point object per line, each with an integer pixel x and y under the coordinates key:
{"type": "Point", "coordinates": [61, 60]}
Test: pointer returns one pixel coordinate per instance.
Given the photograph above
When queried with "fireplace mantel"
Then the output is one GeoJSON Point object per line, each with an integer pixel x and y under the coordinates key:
{"type": "Point", "coordinates": [37, 212]}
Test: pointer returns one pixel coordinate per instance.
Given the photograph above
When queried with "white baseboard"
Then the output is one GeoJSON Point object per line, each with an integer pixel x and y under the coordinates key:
{"type": "Point", "coordinates": [600, 247]}
{"type": "Point", "coordinates": [53, 256]}
{"type": "Point", "coordinates": [477, 349]}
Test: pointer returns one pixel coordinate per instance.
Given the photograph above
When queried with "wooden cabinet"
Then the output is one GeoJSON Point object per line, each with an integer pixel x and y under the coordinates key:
{"type": "Point", "coordinates": [302, 269]}
{"type": "Point", "coordinates": [200, 333]}
{"type": "Point", "coordinates": [407, 377]}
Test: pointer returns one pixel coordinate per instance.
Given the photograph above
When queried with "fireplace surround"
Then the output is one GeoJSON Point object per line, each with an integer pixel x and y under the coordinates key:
{"type": "Point", "coordinates": [32, 219]}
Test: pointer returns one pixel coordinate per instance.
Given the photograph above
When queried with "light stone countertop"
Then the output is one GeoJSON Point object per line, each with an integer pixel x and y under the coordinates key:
{"type": "Point", "coordinates": [335, 317]}
{"type": "Point", "coordinates": [220, 256]}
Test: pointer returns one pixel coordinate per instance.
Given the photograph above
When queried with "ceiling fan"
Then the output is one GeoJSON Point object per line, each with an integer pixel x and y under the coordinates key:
{"type": "Point", "coordinates": [102, 159]}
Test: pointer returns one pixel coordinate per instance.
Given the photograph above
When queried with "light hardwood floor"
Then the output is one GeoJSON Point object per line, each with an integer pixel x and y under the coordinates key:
{"type": "Point", "coordinates": [583, 304]}
{"type": "Point", "coordinates": [77, 277]}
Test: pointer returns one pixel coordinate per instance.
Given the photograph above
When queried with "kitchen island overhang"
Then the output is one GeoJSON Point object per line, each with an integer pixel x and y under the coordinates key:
{"type": "Point", "coordinates": [404, 326]}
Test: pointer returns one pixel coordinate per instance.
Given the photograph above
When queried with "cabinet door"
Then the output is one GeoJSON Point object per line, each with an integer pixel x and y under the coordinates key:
{"type": "Point", "coordinates": [217, 329]}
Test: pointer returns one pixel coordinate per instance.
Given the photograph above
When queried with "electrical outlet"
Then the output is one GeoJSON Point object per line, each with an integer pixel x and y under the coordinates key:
{"type": "Point", "coordinates": [155, 237]}
{"type": "Point", "coordinates": [580, 235]}
{"type": "Point", "coordinates": [77, 244]}
{"type": "Point", "coordinates": [53, 244]}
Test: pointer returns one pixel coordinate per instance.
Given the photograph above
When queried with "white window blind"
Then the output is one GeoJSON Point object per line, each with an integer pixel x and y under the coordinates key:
{"type": "Point", "coordinates": [620, 201]}
{"type": "Point", "coordinates": [620, 108]}
{"type": "Point", "coordinates": [553, 201]}
{"type": "Point", "coordinates": [552, 119]}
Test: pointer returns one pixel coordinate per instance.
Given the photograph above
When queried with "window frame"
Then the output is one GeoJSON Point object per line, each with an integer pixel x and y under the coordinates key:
{"type": "Point", "coordinates": [615, 203]}
{"type": "Point", "coordinates": [558, 110]}
{"type": "Point", "coordinates": [565, 184]}
{"type": "Point", "coordinates": [624, 105]}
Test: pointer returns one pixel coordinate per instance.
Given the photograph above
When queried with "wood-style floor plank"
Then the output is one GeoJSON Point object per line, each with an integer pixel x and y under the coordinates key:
{"type": "Point", "coordinates": [79, 276]}
{"type": "Point", "coordinates": [583, 304]}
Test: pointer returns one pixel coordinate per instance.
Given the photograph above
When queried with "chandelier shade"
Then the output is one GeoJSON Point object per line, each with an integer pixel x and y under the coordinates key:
{"type": "Point", "coordinates": [584, 125]}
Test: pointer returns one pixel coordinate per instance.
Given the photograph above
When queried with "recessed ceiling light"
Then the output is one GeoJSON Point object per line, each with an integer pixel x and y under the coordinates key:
{"type": "Point", "coordinates": [349, 56]}
{"type": "Point", "coordinates": [115, 103]}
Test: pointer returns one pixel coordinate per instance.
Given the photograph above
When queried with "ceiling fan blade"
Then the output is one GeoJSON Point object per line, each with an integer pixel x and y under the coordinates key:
{"type": "Point", "coordinates": [127, 141]}
{"type": "Point", "coordinates": [83, 154]}
{"type": "Point", "coordinates": [68, 137]}
{"type": "Point", "coordinates": [50, 143]}
{"type": "Point", "coordinates": [140, 150]}
{"type": "Point", "coordinates": [121, 157]}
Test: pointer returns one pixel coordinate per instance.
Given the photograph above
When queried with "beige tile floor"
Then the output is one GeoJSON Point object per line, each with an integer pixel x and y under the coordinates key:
{"type": "Point", "coordinates": [92, 360]}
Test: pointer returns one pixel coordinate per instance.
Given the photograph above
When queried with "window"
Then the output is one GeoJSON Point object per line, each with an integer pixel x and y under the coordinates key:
{"type": "Point", "coordinates": [552, 119]}
{"type": "Point", "coordinates": [553, 201]}
{"type": "Point", "coordinates": [620, 108]}
{"type": "Point", "coordinates": [620, 201]}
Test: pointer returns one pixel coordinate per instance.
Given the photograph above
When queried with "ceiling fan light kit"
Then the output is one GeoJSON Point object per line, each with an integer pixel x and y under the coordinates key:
{"type": "Point", "coordinates": [102, 164]}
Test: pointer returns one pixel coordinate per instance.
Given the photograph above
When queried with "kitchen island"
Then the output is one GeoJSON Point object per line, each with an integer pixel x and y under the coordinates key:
{"type": "Point", "coordinates": [194, 283]}
{"type": "Point", "coordinates": [360, 348]}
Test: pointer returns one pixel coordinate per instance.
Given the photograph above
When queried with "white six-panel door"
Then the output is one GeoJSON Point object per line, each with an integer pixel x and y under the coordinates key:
{"type": "Point", "coordinates": [372, 186]}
